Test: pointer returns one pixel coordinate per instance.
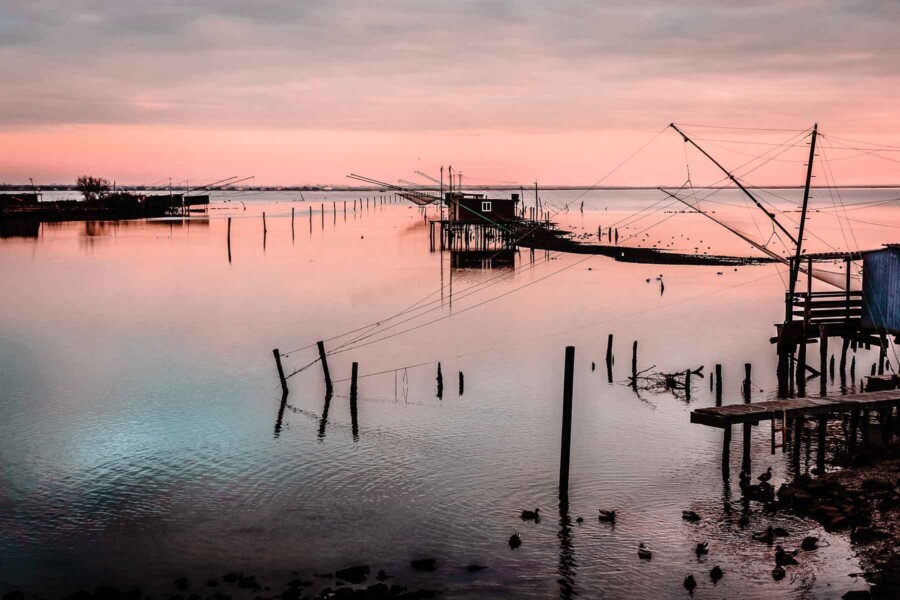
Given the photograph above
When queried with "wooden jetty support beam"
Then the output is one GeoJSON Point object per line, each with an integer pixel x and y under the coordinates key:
{"type": "Point", "coordinates": [799, 410]}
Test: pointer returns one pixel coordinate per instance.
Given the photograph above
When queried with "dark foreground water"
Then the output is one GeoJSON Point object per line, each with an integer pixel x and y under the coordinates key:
{"type": "Point", "coordinates": [138, 439]}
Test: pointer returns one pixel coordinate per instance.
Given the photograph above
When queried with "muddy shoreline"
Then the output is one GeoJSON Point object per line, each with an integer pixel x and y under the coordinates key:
{"type": "Point", "coordinates": [862, 501]}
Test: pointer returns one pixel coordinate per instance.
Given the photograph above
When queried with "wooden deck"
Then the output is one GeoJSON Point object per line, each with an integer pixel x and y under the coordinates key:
{"type": "Point", "coordinates": [732, 414]}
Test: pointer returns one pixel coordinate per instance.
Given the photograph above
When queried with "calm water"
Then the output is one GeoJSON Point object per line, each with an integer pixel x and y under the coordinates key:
{"type": "Point", "coordinates": [140, 398]}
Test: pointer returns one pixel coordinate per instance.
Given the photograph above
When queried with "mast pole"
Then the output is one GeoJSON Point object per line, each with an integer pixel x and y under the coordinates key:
{"type": "Point", "coordinates": [796, 264]}
{"type": "Point", "coordinates": [442, 195]}
{"type": "Point", "coordinates": [735, 181]}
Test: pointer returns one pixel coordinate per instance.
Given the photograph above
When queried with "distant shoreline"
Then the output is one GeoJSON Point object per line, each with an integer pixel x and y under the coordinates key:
{"type": "Point", "coordinates": [312, 188]}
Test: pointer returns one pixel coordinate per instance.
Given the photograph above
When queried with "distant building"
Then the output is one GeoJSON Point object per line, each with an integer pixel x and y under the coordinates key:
{"type": "Point", "coordinates": [478, 208]}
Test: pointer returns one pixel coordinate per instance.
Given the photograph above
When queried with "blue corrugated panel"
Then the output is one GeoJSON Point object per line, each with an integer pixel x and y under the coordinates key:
{"type": "Point", "coordinates": [881, 290]}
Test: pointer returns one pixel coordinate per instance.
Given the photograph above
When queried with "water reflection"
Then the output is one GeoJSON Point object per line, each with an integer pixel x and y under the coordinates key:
{"type": "Point", "coordinates": [13, 228]}
{"type": "Point", "coordinates": [567, 566]}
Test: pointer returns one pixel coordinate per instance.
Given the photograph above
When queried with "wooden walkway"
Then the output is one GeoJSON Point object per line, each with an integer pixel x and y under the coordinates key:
{"type": "Point", "coordinates": [797, 411]}
{"type": "Point", "coordinates": [725, 416]}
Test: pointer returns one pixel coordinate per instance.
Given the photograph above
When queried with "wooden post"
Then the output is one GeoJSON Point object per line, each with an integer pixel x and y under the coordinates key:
{"type": "Point", "coordinates": [462, 383]}
{"type": "Point", "coordinates": [844, 346]}
{"type": "Point", "coordinates": [882, 354]}
{"type": "Point", "coordinates": [354, 423]}
{"type": "Point", "coordinates": [264, 224]}
{"type": "Point", "coordinates": [718, 385]}
{"type": "Point", "coordinates": [687, 385]}
{"type": "Point", "coordinates": [566, 441]}
{"type": "Point", "coordinates": [745, 459]}
{"type": "Point", "coordinates": [440, 383]}
{"type": "Point", "coordinates": [322, 210]}
{"type": "Point", "coordinates": [634, 365]}
{"type": "Point", "coordinates": [820, 455]}
{"type": "Point", "coordinates": [726, 453]}
{"type": "Point", "coordinates": [329, 388]}
{"type": "Point", "coordinates": [284, 387]}
{"type": "Point", "coordinates": [229, 239]}
{"type": "Point", "coordinates": [609, 349]}
{"type": "Point", "coordinates": [292, 222]}
{"type": "Point", "coordinates": [823, 358]}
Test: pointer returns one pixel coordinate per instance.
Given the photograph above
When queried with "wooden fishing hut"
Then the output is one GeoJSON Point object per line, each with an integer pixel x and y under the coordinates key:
{"type": "Point", "coordinates": [478, 223]}
{"type": "Point", "coordinates": [863, 316]}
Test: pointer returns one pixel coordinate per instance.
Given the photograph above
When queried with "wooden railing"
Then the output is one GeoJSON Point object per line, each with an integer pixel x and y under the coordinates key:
{"type": "Point", "coordinates": [825, 308]}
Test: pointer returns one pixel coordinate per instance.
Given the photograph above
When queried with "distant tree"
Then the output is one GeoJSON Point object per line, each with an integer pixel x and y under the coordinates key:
{"type": "Point", "coordinates": [93, 188]}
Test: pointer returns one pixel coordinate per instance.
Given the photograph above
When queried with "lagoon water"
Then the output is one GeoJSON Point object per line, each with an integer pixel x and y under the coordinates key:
{"type": "Point", "coordinates": [139, 439]}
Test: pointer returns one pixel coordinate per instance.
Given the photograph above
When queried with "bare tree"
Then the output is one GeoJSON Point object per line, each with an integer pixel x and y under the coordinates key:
{"type": "Point", "coordinates": [93, 188]}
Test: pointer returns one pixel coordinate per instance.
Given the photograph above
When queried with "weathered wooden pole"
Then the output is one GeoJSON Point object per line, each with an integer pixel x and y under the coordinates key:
{"type": "Point", "coordinates": [229, 239]}
{"type": "Point", "coordinates": [264, 224]}
{"type": "Point", "coordinates": [462, 383]}
{"type": "Point", "coordinates": [718, 385]}
{"type": "Point", "coordinates": [823, 358]}
{"type": "Point", "coordinates": [292, 222]}
{"type": "Point", "coordinates": [687, 385]}
{"type": "Point", "coordinates": [322, 210]}
{"type": "Point", "coordinates": [565, 443]}
{"type": "Point", "coordinates": [284, 387]}
{"type": "Point", "coordinates": [609, 349]}
{"type": "Point", "coordinates": [882, 355]}
{"type": "Point", "coordinates": [440, 382]}
{"type": "Point", "coordinates": [745, 459]}
{"type": "Point", "coordinates": [354, 423]}
{"type": "Point", "coordinates": [634, 365]}
{"type": "Point", "coordinates": [329, 388]}
{"type": "Point", "coordinates": [844, 346]}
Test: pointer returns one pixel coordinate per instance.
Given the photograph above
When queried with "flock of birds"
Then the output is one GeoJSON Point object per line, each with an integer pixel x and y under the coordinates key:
{"type": "Point", "coordinates": [783, 557]}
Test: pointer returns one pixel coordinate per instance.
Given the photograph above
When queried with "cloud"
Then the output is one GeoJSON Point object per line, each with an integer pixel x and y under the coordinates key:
{"type": "Point", "coordinates": [440, 65]}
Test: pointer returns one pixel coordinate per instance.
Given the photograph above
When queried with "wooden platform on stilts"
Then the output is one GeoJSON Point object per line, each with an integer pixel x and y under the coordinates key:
{"type": "Point", "coordinates": [732, 414]}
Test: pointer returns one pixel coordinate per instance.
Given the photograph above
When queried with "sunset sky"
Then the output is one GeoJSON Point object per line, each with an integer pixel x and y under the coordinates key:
{"type": "Point", "coordinates": [306, 92]}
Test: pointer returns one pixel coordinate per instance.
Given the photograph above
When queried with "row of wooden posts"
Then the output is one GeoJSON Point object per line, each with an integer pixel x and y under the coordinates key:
{"type": "Point", "coordinates": [377, 200]}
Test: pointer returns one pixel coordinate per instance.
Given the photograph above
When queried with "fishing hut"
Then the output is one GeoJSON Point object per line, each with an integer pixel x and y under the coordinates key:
{"type": "Point", "coordinates": [475, 222]}
{"type": "Point", "coordinates": [865, 315]}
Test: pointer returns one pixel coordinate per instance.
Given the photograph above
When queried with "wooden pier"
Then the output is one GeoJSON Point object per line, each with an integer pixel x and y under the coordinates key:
{"type": "Point", "coordinates": [733, 414]}
{"type": "Point", "coordinates": [797, 411]}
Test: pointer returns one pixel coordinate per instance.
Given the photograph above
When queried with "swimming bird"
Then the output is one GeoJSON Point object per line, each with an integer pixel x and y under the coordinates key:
{"type": "Point", "coordinates": [515, 540]}
{"type": "Point", "coordinates": [766, 536]}
{"type": "Point", "coordinates": [690, 583]}
{"type": "Point", "coordinates": [689, 515]}
{"type": "Point", "coordinates": [579, 520]}
{"type": "Point", "coordinates": [609, 516]}
{"type": "Point", "coordinates": [766, 476]}
{"type": "Point", "coordinates": [716, 574]}
{"type": "Point", "coordinates": [531, 515]}
{"type": "Point", "coordinates": [810, 542]}
{"type": "Point", "coordinates": [701, 549]}
{"type": "Point", "coordinates": [743, 477]}
{"type": "Point", "coordinates": [778, 573]}
{"type": "Point", "coordinates": [783, 557]}
{"type": "Point", "coordinates": [644, 552]}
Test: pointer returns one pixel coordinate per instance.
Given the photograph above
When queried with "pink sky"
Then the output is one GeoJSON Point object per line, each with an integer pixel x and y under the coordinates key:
{"type": "Point", "coordinates": [296, 93]}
